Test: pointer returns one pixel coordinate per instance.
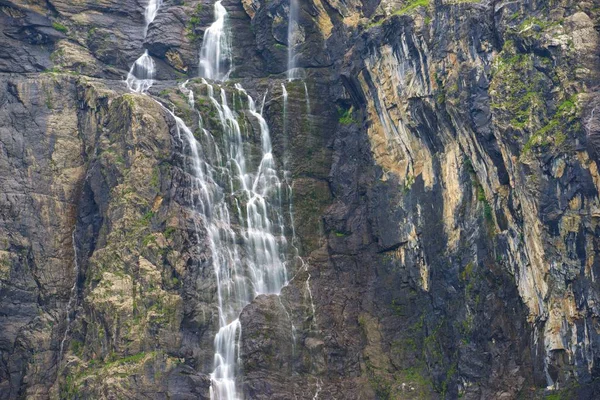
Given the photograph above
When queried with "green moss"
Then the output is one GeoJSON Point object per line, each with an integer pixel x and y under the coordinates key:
{"type": "Point", "coordinates": [441, 93]}
{"type": "Point", "coordinates": [133, 359]}
{"type": "Point", "coordinates": [467, 272]}
{"type": "Point", "coordinates": [148, 239]}
{"type": "Point", "coordinates": [147, 217]}
{"type": "Point", "coordinates": [169, 231]}
{"type": "Point", "coordinates": [59, 27]}
{"type": "Point", "coordinates": [193, 24]}
{"type": "Point", "coordinates": [481, 194]}
{"type": "Point", "coordinates": [564, 119]}
{"type": "Point", "coordinates": [76, 347]}
{"type": "Point", "coordinates": [345, 116]}
{"type": "Point", "coordinates": [155, 179]}
{"type": "Point", "coordinates": [398, 309]}
{"type": "Point", "coordinates": [525, 27]}
{"type": "Point", "coordinates": [411, 6]}
{"type": "Point", "coordinates": [517, 86]}
{"type": "Point", "coordinates": [408, 182]}
{"type": "Point", "coordinates": [488, 213]}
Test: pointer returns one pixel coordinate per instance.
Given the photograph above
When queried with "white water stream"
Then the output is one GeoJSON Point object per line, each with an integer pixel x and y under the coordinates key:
{"type": "Point", "coordinates": [216, 52]}
{"type": "Point", "coordinates": [293, 40]}
{"type": "Point", "coordinates": [141, 74]}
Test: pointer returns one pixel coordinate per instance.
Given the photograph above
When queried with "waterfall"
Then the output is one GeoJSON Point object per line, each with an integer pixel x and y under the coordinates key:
{"type": "Point", "coordinates": [73, 294]}
{"type": "Point", "coordinates": [240, 202]}
{"type": "Point", "coordinates": [318, 384]}
{"type": "Point", "coordinates": [150, 13]}
{"type": "Point", "coordinates": [216, 52]}
{"type": "Point", "coordinates": [293, 39]}
{"type": "Point", "coordinates": [308, 111]}
{"type": "Point", "coordinates": [141, 75]}
{"type": "Point", "coordinates": [263, 268]}
{"type": "Point", "coordinates": [284, 93]}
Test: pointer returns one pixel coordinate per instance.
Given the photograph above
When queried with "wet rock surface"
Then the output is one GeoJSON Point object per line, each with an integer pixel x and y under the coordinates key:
{"type": "Point", "coordinates": [443, 159]}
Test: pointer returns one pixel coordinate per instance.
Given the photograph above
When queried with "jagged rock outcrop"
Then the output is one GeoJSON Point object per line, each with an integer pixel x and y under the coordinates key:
{"type": "Point", "coordinates": [444, 164]}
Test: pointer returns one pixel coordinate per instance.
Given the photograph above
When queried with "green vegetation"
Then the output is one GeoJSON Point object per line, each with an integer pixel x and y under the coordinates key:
{"type": "Point", "coordinates": [59, 27]}
{"type": "Point", "coordinates": [148, 239]}
{"type": "Point", "coordinates": [155, 179]}
{"type": "Point", "coordinates": [193, 23]}
{"type": "Point", "coordinates": [345, 116]}
{"type": "Point", "coordinates": [525, 28]}
{"type": "Point", "coordinates": [411, 5]}
{"type": "Point", "coordinates": [564, 119]}
{"type": "Point", "coordinates": [133, 359]}
{"type": "Point", "coordinates": [76, 347]}
{"type": "Point", "coordinates": [525, 88]}
{"type": "Point", "coordinates": [147, 217]}
{"type": "Point", "coordinates": [467, 272]}
{"type": "Point", "coordinates": [521, 86]}
{"type": "Point", "coordinates": [397, 307]}
{"type": "Point", "coordinates": [169, 231]}
{"type": "Point", "coordinates": [408, 182]}
{"type": "Point", "coordinates": [488, 212]}
{"type": "Point", "coordinates": [73, 382]}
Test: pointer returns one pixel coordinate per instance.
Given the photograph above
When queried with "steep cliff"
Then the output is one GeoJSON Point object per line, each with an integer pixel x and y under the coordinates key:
{"type": "Point", "coordinates": [437, 207]}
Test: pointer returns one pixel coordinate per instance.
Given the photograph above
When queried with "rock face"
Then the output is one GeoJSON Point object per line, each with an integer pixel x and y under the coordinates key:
{"type": "Point", "coordinates": [443, 158]}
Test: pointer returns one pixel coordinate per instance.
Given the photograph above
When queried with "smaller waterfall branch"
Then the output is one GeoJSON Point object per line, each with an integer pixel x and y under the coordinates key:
{"type": "Point", "coordinates": [216, 53]}
{"type": "Point", "coordinates": [294, 38]}
{"type": "Point", "coordinates": [150, 13]}
{"type": "Point", "coordinates": [73, 296]}
{"type": "Point", "coordinates": [141, 74]}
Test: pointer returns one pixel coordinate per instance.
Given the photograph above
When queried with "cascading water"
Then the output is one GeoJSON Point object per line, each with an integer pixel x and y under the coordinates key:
{"type": "Point", "coordinates": [141, 75]}
{"type": "Point", "coordinates": [242, 212]}
{"type": "Point", "coordinates": [73, 294]}
{"type": "Point", "coordinates": [293, 39]}
{"type": "Point", "coordinates": [150, 13]}
{"type": "Point", "coordinates": [241, 203]}
{"type": "Point", "coordinates": [216, 52]}
{"type": "Point", "coordinates": [284, 93]}
{"type": "Point", "coordinates": [263, 268]}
